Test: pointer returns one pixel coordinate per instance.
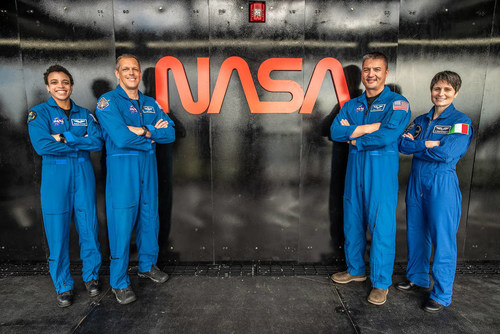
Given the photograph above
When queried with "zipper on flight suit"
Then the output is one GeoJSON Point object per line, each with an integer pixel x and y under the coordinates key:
{"type": "Point", "coordinates": [140, 109]}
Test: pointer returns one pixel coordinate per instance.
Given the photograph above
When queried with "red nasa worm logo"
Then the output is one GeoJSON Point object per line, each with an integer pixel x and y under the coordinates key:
{"type": "Point", "coordinates": [212, 104]}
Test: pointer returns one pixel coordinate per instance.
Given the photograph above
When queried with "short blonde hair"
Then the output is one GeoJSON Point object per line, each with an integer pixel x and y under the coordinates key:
{"type": "Point", "coordinates": [123, 56]}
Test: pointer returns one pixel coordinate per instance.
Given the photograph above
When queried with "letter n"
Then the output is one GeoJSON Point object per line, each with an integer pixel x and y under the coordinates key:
{"type": "Point", "coordinates": [171, 63]}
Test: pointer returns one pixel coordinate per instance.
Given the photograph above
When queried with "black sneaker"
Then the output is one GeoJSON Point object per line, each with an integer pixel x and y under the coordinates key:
{"type": "Point", "coordinates": [433, 306]}
{"type": "Point", "coordinates": [93, 287]}
{"type": "Point", "coordinates": [124, 296]}
{"type": "Point", "coordinates": [154, 274]}
{"type": "Point", "coordinates": [65, 299]}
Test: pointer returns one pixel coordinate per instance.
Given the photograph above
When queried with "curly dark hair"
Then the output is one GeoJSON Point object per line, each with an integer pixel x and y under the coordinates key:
{"type": "Point", "coordinates": [57, 68]}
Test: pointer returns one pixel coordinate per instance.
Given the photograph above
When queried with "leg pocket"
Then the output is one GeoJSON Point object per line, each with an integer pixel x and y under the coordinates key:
{"type": "Point", "coordinates": [125, 181]}
{"type": "Point", "coordinates": [55, 188]}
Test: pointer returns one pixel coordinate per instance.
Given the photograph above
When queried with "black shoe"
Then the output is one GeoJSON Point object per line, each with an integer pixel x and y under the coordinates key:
{"type": "Point", "coordinates": [433, 306]}
{"type": "Point", "coordinates": [93, 287]}
{"type": "Point", "coordinates": [65, 299]}
{"type": "Point", "coordinates": [408, 286]}
{"type": "Point", "coordinates": [124, 296]}
{"type": "Point", "coordinates": [154, 274]}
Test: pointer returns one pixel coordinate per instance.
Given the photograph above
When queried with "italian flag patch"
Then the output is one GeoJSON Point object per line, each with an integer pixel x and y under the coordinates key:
{"type": "Point", "coordinates": [460, 128]}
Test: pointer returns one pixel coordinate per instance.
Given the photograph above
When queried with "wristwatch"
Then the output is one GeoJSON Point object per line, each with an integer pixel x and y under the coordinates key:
{"type": "Point", "coordinates": [145, 128]}
{"type": "Point", "coordinates": [62, 139]}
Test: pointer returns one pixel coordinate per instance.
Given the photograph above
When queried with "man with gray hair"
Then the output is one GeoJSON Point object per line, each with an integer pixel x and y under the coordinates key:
{"type": "Point", "coordinates": [132, 123]}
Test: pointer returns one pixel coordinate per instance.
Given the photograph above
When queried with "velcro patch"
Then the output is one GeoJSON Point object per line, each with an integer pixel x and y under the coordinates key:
{"type": "Point", "coordinates": [400, 105]}
{"type": "Point", "coordinates": [79, 122]}
{"type": "Point", "coordinates": [460, 128]}
{"type": "Point", "coordinates": [31, 116]}
{"type": "Point", "coordinates": [377, 107]}
{"type": "Point", "coordinates": [418, 130]}
{"type": "Point", "coordinates": [58, 121]}
{"type": "Point", "coordinates": [441, 129]}
{"type": "Point", "coordinates": [102, 104]}
{"type": "Point", "coordinates": [148, 110]}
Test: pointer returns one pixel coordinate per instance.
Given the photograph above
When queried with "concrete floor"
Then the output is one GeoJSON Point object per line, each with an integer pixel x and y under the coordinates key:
{"type": "Point", "coordinates": [246, 304]}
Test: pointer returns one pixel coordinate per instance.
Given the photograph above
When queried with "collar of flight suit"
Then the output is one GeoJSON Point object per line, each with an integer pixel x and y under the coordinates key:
{"type": "Point", "coordinates": [383, 95]}
{"type": "Point", "coordinates": [51, 102]}
{"type": "Point", "coordinates": [124, 95]}
{"type": "Point", "coordinates": [446, 113]}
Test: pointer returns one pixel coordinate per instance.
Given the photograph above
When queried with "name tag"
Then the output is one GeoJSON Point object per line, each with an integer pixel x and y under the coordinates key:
{"type": "Point", "coordinates": [377, 107]}
{"type": "Point", "coordinates": [148, 110]}
{"type": "Point", "coordinates": [79, 122]}
{"type": "Point", "coordinates": [441, 129]}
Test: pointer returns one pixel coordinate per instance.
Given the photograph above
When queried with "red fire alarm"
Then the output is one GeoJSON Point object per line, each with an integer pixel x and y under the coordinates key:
{"type": "Point", "coordinates": [258, 11]}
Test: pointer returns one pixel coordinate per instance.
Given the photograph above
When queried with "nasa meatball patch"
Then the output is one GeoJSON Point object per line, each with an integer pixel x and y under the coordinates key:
{"type": "Point", "coordinates": [360, 108]}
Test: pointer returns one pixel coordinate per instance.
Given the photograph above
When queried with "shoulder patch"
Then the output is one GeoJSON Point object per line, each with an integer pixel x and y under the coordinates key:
{"type": "Point", "coordinates": [31, 116]}
{"type": "Point", "coordinates": [102, 104]}
{"type": "Point", "coordinates": [410, 126]}
{"type": "Point", "coordinates": [418, 130]}
{"type": "Point", "coordinates": [460, 128]}
{"type": "Point", "coordinates": [400, 105]}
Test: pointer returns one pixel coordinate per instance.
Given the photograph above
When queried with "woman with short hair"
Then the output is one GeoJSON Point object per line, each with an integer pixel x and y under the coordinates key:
{"type": "Point", "coordinates": [437, 140]}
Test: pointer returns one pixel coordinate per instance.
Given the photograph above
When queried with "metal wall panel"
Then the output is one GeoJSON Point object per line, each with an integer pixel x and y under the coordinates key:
{"type": "Point", "coordinates": [436, 36]}
{"type": "Point", "coordinates": [21, 228]}
{"type": "Point", "coordinates": [178, 29]}
{"type": "Point", "coordinates": [345, 31]}
{"type": "Point", "coordinates": [482, 220]}
{"type": "Point", "coordinates": [78, 36]}
{"type": "Point", "coordinates": [255, 156]}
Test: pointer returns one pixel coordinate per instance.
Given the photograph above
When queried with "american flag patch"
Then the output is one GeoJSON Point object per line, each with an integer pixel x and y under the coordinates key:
{"type": "Point", "coordinates": [400, 105]}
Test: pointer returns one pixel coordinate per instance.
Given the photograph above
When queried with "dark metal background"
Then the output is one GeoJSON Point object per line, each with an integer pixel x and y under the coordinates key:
{"type": "Point", "coordinates": [249, 187]}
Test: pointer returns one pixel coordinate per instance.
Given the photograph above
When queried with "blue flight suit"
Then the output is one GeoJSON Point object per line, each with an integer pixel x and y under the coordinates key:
{"type": "Point", "coordinates": [132, 178]}
{"type": "Point", "coordinates": [68, 185]}
{"type": "Point", "coordinates": [371, 183]}
{"type": "Point", "coordinates": [433, 199]}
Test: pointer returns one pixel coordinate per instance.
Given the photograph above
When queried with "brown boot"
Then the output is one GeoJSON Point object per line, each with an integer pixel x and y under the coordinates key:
{"type": "Point", "coordinates": [344, 277]}
{"type": "Point", "coordinates": [378, 296]}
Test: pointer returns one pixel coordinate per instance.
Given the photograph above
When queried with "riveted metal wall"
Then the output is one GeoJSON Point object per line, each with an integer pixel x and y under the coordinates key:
{"type": "Point", "coordinates": [249, 186]}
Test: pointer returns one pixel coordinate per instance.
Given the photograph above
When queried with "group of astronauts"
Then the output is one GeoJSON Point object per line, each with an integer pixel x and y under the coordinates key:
{"type": "Point", "coordinates": [129, 124]}
{"type": "Point", "coordinates": [375, 125]}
